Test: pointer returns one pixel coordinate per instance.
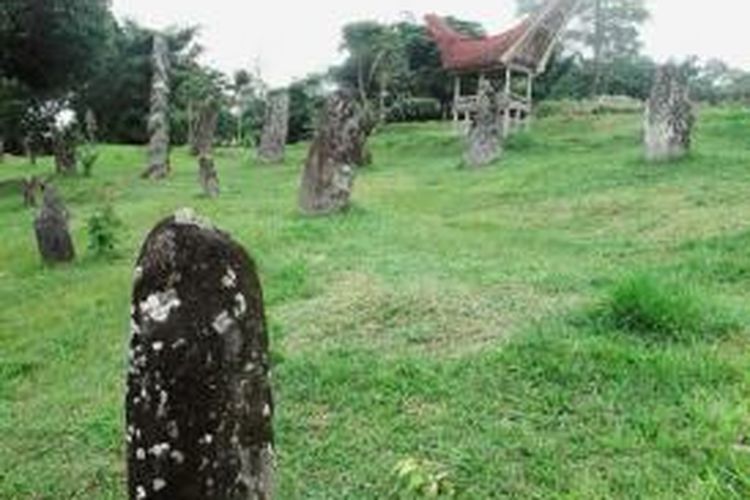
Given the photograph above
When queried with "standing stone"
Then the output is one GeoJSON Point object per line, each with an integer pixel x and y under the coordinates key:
{"type": "Point", "coordinates": [51, 227]}
{"type": "Point", "coordinates": [275, 129]}
{"type": "Point", "coordinates": [64, 145]}
{"type": "Point", "coordinates": [209, 178]}
{"type": "Point", "coordinates": [205, 127]}
{"type": "Point", "coordinates": [205, 130]}
{"type": "Point", "coordinates": [158, 121]}
{"type": "Point", "coordinates": [669, 116]}
{"type": "Point", "coordinates": [198, 407]}
{"type": "Point", "coordinates": [484, 140]}
{"type": "Point", "coordinates": [328, 178]}
{"type": "Point", "coordinates": [31, 188]}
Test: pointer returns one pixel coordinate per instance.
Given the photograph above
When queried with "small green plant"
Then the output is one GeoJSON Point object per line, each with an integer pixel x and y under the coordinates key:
{"type": "Point", "coordinates": [103, 226]}
{"type": "Point", "coordinates": [88, 155]}
{"type": "Point", "coordinates": [417, 478]}
{"type": "Point", "coordinates": [651, 308]}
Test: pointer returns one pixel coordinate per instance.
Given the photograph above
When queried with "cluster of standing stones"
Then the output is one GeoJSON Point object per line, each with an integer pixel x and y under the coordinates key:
{"type": "Point", "coordinates": [199, 407]}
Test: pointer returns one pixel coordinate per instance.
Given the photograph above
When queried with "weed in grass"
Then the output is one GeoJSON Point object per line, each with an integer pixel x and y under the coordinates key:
{"type": "Point", "coordinates": [654, 309]}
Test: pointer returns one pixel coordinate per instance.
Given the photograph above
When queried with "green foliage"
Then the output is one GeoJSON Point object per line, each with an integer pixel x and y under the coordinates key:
{"type": "Point", "coordinates": [103, 229]}
{"type": "Point", "coordinates": [415, 109]}
{"type": "Point", "coordinates": [88, 155]}
{"type": "Point", "coordinates": [52, 47]}
{"type": "Point", "coordinates": [650, 308]}
{"type": "Point", "coordinates": [422, 479]}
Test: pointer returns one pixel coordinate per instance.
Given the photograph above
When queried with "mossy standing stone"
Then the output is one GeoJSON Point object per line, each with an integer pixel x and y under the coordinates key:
{"type": "Point", "coordinates": [328, 177]}
{"type": "Point", "coordinates": [669, 116]}
{"type": "Point", "coordinates": [198, 405]}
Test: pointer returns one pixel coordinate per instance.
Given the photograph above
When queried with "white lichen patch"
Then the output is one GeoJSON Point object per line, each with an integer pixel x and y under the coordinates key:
{"type": "Point", "coordinates": [158, 306]}
{"type": "Point", "coordinates": [161, 411]}
{"type": "Point", "coordinates": [137, 274]}
{"type": "Point", "coordinates": [188, 217]}
{"type": "Point", "coordinates": [157, 346]}
{"type": "Point", "coordinates": [140, 454]}
{"type": "Point", "coordinates": [240, 305]}
{"type": "Point", "coordinates": [223, 323]}
{"type": "Point", "coordinates": [159, 450]}
{"type": "Point", "coordinates": [135, 329]}
{"type": "Point", "coordinates": [178, 457]}
{"type": "Point", "coordinates": [159, 484]}
{"type": "Point", "coordinates": [267, 411]}
{"type": "Point", "coordinates": [140, 492]}
{"type": "Point", "coordinates": [230, 278]}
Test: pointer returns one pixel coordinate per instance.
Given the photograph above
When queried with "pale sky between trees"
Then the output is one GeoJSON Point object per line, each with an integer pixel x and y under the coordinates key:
{"type": "Point", "coordinates": [291, 38]}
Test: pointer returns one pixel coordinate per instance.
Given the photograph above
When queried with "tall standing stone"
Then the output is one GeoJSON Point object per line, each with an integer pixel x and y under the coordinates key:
{"type": "Point", "coordinates": [51, 227]}
{"type": "Point", "coordinates": [64, 146]}
{"type": "Point", "coordinates": [669, 116]}
{"type": "Point", "coordinates": [275, 129]}
{"type": "Point", "coordinates": [328, 178]}
{"type": "Point", "coordinates": [209, 178]}
{"type": "Point", "coordinates": [158, 120]}
{"type": "Point", "coordinates": [198, 404]}
{"type": "Point", "coordinates": [484, 140]}
{"type": "Point", "coordinates": [30, 188]}
{"type": "Point", "coordinates": [205, 130]}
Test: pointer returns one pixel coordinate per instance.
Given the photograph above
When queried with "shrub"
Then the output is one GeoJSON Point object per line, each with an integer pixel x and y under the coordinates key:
{"type": "Point", "coordinates": [422, 479]}
{"type": "Point", "coordinates": [653, 309]}
{"type": "Point", "coordinates": [415, 109]}
{"type": "Point", "coordinates": [103, 226]}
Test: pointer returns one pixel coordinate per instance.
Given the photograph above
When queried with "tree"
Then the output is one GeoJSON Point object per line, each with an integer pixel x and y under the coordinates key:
{"type": "Point", "coordinates": [49, 50]}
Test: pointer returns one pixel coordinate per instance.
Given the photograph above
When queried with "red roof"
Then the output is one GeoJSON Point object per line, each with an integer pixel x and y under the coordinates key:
{"type": "Point", "coordinates": [461, 53]}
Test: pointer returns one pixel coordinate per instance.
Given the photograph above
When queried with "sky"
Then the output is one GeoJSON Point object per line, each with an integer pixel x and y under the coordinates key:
{"type": "Point", "coordinates": [287, 39]}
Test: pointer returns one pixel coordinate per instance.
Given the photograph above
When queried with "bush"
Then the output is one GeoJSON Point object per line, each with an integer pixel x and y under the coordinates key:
{"type": "Point", "coordinates": [655, 310]}
{"type": "Point", "coordinates": [415, 109]}
{"type": "Point", "coordinates": [103, 226]}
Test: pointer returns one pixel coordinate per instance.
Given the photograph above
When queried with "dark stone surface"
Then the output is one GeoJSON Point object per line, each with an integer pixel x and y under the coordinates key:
{"type": "Point", "coordinates": [328, 178]}
{"type": "Point", "coordinates": [198, 404]}
{"type": "Point", "coordinates": [51, 227]}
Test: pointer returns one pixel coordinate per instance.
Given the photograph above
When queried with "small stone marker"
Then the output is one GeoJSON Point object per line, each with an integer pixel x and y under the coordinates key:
{"type": "Point", "coordinates": [275, 129]}
{"type": "Point", "coordinates": [30, 188]}
{"type": "Point", "coordinates": [51, 227]}
{"type": "Point", "coordinates": [484, 140]}
{"type": "Point", "coordinates": [328, 178]}
{"type": "Point", "coordinates": [198, 405]}
{"type": "Point", "coordinates": [669, 116]}
{"type": "Point", "coordinates": [209, 179]}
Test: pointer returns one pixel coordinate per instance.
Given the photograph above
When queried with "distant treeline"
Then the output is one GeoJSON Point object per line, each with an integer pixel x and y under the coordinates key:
{"type": "Point", "coordinates": [74, 54]}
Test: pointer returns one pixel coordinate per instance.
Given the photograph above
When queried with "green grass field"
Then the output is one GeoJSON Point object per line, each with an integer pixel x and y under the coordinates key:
{"type": "Point", "coordinates": [568, 323]}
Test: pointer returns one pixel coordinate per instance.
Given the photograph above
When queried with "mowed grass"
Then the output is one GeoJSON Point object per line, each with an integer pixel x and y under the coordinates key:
{"type": "Point", "coordinates": [568, 323]}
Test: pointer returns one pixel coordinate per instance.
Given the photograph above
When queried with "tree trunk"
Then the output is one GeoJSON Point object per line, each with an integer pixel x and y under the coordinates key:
{"type": "Point", "coordinates": [598, 47]}
{"type": "Point", "coordinates": [275, 129]}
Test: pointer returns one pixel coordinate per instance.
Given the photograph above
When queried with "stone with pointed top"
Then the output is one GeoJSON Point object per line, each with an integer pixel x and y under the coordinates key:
{"type": "Point", "coordinates": [51, 227]}
{"type": "Point", "coordinates": [158, 120]}
{"type": "Point", "coordinates": [669, 116]}
{"type": "Point", "coordinates": [198, 404]}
